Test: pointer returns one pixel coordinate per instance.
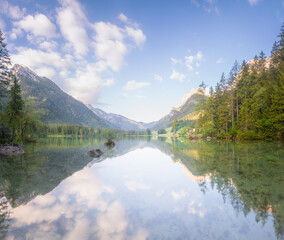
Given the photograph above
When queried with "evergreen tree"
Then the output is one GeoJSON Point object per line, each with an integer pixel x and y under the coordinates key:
{"type": "Point", "coordinates": [281, 36]}
{"type": "Point", "coordinates": [5, 62]}
{"type": "Point", "coordinates": [275, 48]}
{"type": "Point", "coordinates": [15, 107]}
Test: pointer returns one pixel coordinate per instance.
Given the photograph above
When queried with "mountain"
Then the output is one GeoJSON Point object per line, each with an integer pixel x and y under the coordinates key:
{"type": "Point", "coordinates": [186, 111]}
{"type": "Point", "coordinates": [58, 107]}
{"type": "Point", "coordinates": [119, 121]}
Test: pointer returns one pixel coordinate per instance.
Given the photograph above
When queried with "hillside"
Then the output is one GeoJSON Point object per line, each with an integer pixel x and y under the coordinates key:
{"type": "Point", "coordinates": [185, 112]}
{"type": "Point", "coordinates": [58, 107]}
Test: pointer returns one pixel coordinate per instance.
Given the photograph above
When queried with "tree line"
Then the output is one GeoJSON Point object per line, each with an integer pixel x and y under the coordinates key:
{"type": "Point", "coordinates": [249, 102]}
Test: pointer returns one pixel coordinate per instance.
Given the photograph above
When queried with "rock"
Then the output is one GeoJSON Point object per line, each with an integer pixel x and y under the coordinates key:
{"type": "Point", "coordinates": [109, 143]}
{"type": "Point", "coordinates": [95, 153]}
{"type": "Point", "coordinates": [3, 200]}
{"type": "Point", "coordinates": [21, 145]}
{"type": "Point", "coordinates": [208, 138]}
{"type": "Point", "coordinates": [11, 150]}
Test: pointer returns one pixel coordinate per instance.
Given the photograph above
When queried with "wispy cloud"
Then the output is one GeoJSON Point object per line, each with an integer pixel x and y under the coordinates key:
{"type": "Point", "coordinates": [133, 85]}
{"type": "Point", "coordinates": [253, 2]}
{"type": "Point", "coordinates": [220, 60]}
{"type": "Point", "coordinates": [158, 77]}
{"type": "Point", "coordinates": [207, 5]}
{"type": "Point", "coordinates": [193, 61]}
{"type": "Point", "coordinates": [123, 18]}
{"type": "Point", "coordinates": [177, 76]}
{"type": "Point", "coordinates": [175, 61]}
{"type": "Point", "coordinates": [38, 25]}
{"type": "Point", "coordinates": [12, 11]}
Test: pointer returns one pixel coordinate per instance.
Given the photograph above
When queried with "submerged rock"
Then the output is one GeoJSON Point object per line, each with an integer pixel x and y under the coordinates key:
{"type": "Point", "coordinates": [109, 143]}
{"type": "Point", "coordinates": [11, 150]}
{"type": "Point", "coordinates": [95, 153]}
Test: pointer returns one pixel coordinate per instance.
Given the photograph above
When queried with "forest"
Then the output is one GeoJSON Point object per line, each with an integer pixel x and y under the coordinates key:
{"type": "Point", "coordinates": [249, 102]}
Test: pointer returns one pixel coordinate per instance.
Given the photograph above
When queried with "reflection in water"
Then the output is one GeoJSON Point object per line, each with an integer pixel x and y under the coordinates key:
{"type": "Point", "coordinates": [145, 188]}
{"type": "Point", "coordinates": [248, 174]}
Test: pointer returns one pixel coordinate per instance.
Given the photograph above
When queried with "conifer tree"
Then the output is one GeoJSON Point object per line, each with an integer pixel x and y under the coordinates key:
{"type": "Point", "coordinates": [5, 62]}
{"type": "Point", "coordinates": [15, 107]}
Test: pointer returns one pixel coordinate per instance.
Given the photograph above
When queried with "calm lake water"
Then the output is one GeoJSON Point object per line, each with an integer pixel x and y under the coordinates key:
{"type": "Point", "coordinates": [143, 189]}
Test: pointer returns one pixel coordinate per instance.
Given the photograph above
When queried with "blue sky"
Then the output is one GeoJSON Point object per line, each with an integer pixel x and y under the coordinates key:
{"type": "Point", "coordinates": [137, 58]}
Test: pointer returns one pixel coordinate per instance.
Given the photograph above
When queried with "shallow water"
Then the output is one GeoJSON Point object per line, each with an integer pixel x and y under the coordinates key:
{"type": "Point", "coordinates": [143, 189]}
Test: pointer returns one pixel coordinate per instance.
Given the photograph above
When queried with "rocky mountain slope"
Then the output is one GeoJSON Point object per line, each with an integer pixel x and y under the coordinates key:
{"type": "Point", "coordinates": [58, 107]}
{"type": "Point", "coordinates": [186, 111]}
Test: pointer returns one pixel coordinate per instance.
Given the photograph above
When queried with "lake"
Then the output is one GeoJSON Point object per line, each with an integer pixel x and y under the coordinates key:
{"type": "Point", "coordinates": [143, 188]}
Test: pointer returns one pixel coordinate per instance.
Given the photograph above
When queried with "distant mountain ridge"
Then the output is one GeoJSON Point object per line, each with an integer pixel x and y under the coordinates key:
{"type": "Point", "coordinates": [61, 108]}
{"type": "Point", "coordinates": [119, 121]}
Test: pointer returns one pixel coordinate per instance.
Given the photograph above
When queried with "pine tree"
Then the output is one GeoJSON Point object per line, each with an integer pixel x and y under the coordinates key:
{"type": "Point", "coordinates": [5, 62]}
{"type": "Point", "coordinates": [231, 84]}
{"type": "Point", "coordinates": [275, 48]}
{"type": "Point", "coordinates": [14, 107]}
{"type": "Point", "coordinates": [281, 36]}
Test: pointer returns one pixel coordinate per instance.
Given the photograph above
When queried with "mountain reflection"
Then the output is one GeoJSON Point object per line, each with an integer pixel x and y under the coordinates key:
{"type": "Point", "coordinates": [59, 184]}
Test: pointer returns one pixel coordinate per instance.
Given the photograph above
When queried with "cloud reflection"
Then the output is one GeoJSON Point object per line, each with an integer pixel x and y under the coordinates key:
{"type": "Point", "coordinates": [81, 207]}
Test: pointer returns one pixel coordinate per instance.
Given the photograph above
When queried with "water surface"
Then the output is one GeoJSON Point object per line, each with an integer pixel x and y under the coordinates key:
{"type": "Point", "coordinates": [143, 189]}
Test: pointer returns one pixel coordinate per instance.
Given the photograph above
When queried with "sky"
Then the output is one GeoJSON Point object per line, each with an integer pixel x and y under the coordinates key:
{"type": "Point", "coordinates": [137, 58]}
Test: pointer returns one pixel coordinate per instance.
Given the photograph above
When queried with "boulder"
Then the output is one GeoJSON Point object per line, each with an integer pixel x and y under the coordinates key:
{"type": "Point", "coordinates": [95, 153]}
{"type": "Point", "coordinates": [11, 150]}
{"type": "Point", "coordinates": [109, 143]}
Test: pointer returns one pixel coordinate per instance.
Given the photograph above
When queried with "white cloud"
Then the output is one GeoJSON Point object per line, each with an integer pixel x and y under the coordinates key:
{"type": "Point", "coordinates": [72, 21]}
{"type": "Point", "coordinates": [108, 82]}
{"type": "Point", "coordinates": [133, 85]}
{"type": "Point", "coordinates": [158, 77]}
{"type": "Point", "coordinates": [253, 2]}
{"type": "Point", "coordinates": [39, 25]}
{"type": "Point", "coordinates": [137, 35]}
{"type": "Point", "coordinates": [177, 76]}
{"type": "Point", "coordinates": [122, 18]}
{"type": "Point", "coordinates": [193, 61]}
{"type": "Point", "coordinates": [12, 11]}
{"type": "Point", "coordinates": [109, 45]}
{"type": "Point", "coordinates": [207, 5]}
{"type": "Point", "coordinates": [48, 45]}
{"type": "Point", "coordinates": [45, 72]}
{"type": "Point", "coordinates": [86, 85]}
{"type": "Point", "coordinates": [36, 58]}
{"type": "Point", "coordinates": [175, 61]}
{"type": "Point", "coordinates": [220, 60]}
{"type": "Point", "coordinates": [15, 33]}
{"type": "Point", "coordinates": [107, 31]}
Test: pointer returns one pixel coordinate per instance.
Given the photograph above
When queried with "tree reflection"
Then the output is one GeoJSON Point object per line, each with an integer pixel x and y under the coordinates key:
{"type": "Point", "coordinates": [250, 175]}
{"type": "Point", "coordinates": [4, 217]}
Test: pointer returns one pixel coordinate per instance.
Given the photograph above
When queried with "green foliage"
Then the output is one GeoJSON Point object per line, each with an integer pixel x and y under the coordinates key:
{"type": "Point", "coordinates": [14, 109]}
{"type": "Point", "coordinates": [5, 62]}
{"type": "Point", "coordinates": [183, 131]}
{"type": "Point", "coordinates": [162, 131]}
{"type": "Point", "coordinates": [249, 105]}
{"type": "Point", "coordinates": [108, 134]}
